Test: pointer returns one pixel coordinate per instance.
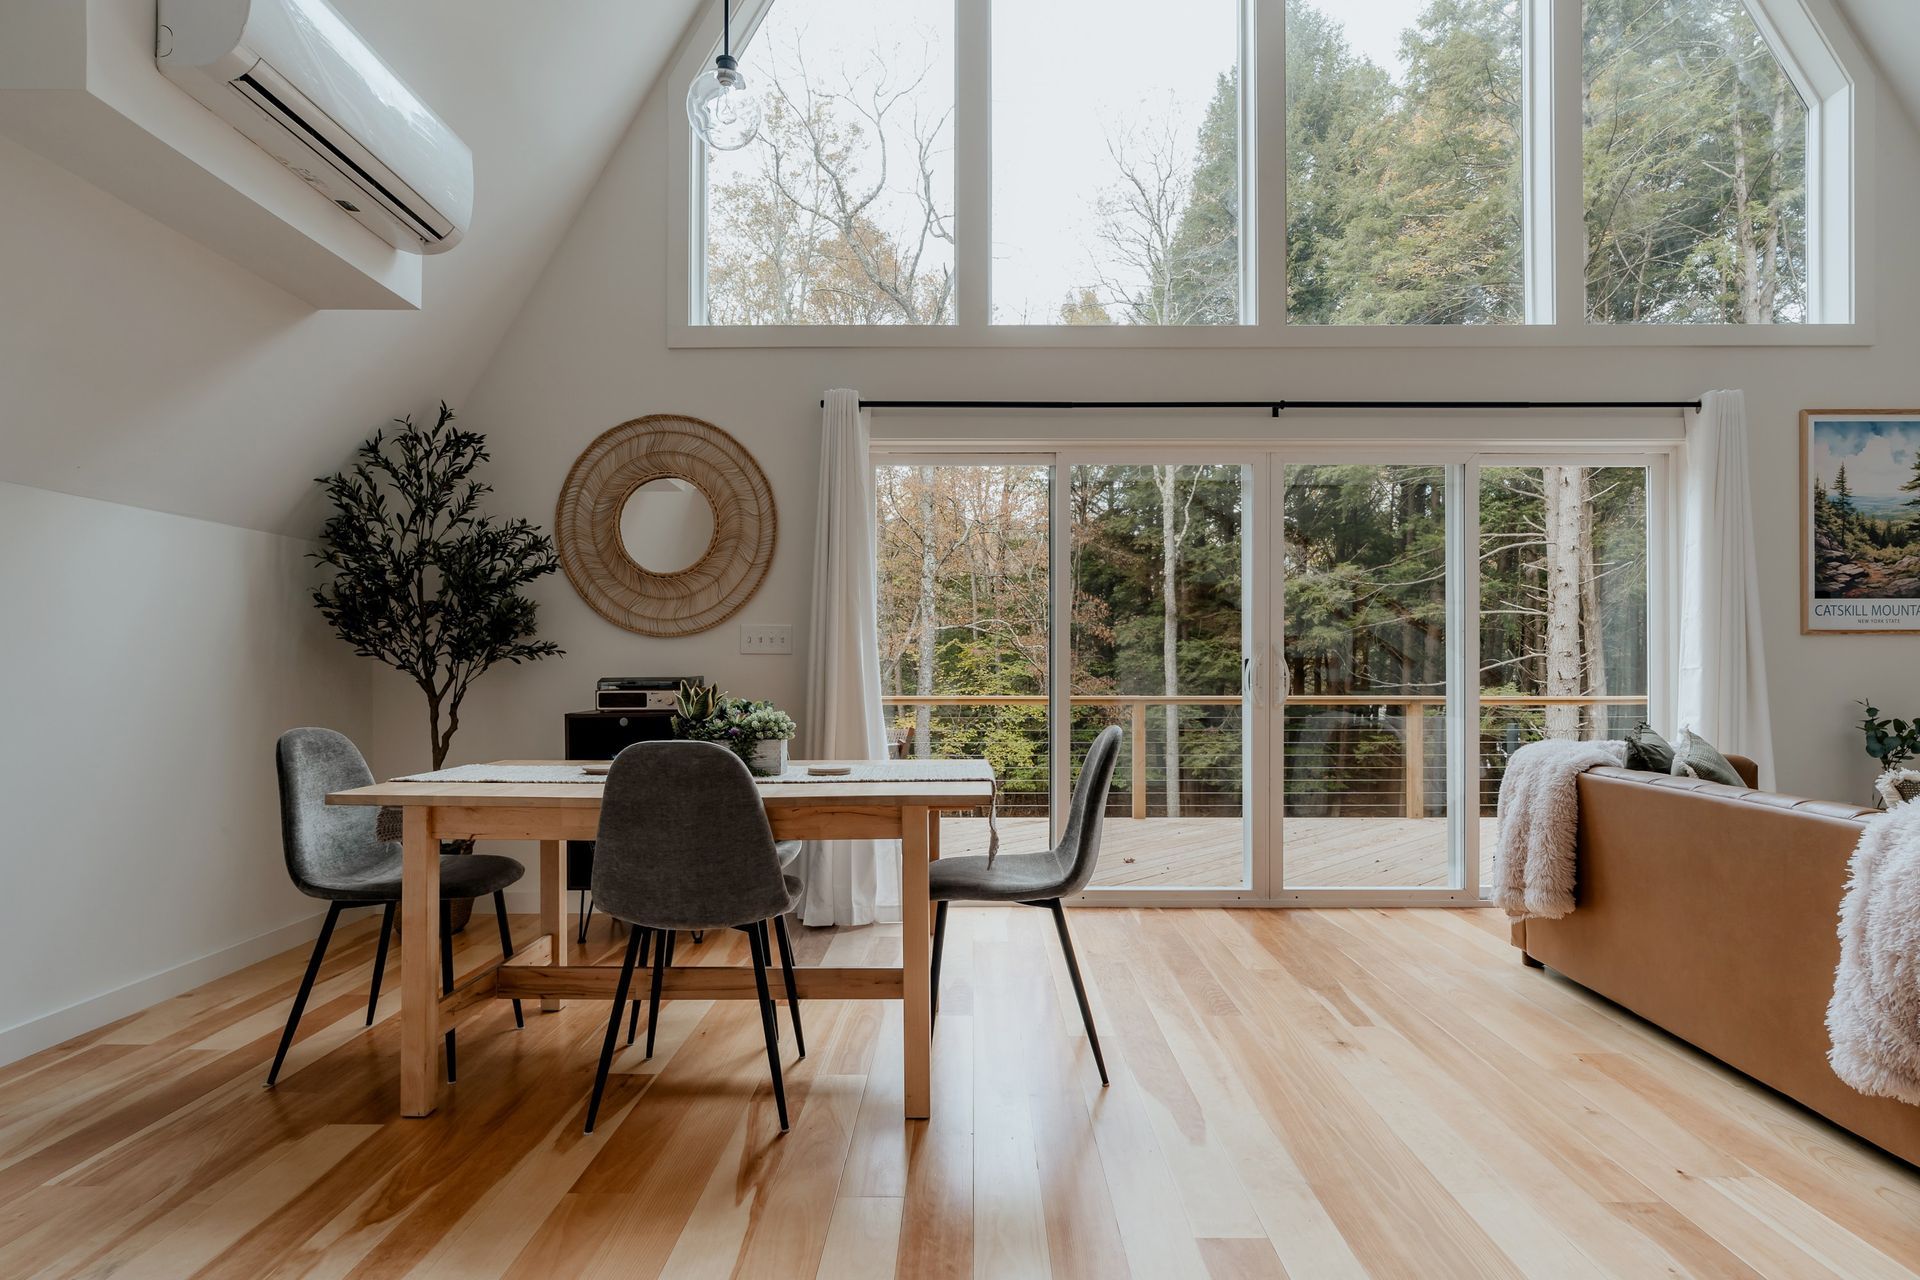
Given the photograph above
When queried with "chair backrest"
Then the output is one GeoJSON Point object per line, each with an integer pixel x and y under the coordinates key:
{"type": "Point", "coordinates": [325, 844]}
{"type": "Point", "coordinates": [1079, 852]}
{"type": "Point", "coordinates": [684, 841]}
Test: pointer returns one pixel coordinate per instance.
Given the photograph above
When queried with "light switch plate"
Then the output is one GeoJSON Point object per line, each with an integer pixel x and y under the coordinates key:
{"type": "Point", "coordinates": [765, 638]}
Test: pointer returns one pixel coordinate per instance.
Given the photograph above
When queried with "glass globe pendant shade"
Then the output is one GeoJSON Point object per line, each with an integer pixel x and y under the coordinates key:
{"type": "Point", "coordinates": [723, 111]}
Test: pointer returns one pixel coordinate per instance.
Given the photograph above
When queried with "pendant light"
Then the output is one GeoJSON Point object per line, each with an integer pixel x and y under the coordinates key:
{"type": "Point", "coordinates": [724, 113]}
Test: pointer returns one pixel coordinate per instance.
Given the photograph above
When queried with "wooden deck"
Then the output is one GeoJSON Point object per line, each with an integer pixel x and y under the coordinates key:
{"type": "Point", "coordinates": [1209, 852]}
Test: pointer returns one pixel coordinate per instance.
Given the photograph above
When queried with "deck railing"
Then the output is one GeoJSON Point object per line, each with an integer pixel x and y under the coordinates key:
{"type": "Point", "coordinates": [1350, 754]}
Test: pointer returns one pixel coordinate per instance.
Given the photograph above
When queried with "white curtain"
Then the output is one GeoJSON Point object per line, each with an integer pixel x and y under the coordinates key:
{"type": "Point", "coordinates": [847, 881]}
{"type": "Point", "coordinates": [1722, 671]}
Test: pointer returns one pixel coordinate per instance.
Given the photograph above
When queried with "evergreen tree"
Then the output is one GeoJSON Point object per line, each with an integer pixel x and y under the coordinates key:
{"type": "Point", "coordinates": [1842, 498]}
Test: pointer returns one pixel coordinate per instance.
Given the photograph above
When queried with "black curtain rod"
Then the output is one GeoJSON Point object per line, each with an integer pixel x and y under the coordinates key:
{"type": "Point", "coordinates": [1276, 406]}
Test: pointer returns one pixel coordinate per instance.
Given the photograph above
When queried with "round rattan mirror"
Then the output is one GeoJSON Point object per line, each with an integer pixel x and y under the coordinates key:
{"type": "Point", "coordinates": [600, 496]}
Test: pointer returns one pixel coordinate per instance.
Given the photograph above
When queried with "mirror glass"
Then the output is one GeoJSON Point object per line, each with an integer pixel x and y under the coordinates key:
{"type": "Point", "coordinates": [666, 525]}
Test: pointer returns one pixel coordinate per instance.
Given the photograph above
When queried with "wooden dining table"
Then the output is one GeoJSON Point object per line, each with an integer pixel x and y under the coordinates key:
{"type": "Point", "coordinates": [877, 807]}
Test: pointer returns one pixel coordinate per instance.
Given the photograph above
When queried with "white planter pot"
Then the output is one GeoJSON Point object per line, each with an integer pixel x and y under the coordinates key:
{"type": "Point", "coordinates": [769, 758]}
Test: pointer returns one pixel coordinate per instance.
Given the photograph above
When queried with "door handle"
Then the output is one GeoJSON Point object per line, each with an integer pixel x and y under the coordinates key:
{"type": "Point", "coordinates": [1250, 680]}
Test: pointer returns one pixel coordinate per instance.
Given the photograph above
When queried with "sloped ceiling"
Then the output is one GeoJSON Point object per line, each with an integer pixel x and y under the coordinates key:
{"type": "Point", "coordinates": [1890, 30]}
{"type": "Point", "coordinates": [138, 367]}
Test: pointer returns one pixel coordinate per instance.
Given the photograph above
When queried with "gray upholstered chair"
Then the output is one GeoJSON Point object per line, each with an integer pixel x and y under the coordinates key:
{"type": "Point", "coordinates": [1037, 879]}
{"type": "Point", "coordinates": [334, 853]}
{"type": "Point", "coordinates": [789, 851]}
{"type": "Point", "coordinates": [684, 844]}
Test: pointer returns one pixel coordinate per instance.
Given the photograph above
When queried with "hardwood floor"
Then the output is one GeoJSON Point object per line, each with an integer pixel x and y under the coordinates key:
{"type": "Point", "coordinates": [1304, 1094]}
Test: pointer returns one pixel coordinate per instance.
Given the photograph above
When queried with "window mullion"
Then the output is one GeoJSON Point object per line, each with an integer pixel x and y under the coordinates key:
{"type": "Point", "coordinates": [973, 163]}
{"type": "Point", "coordinates": [1264, 210]}
{"type": "Point", "coordinates": [1567, 124]}
{"type": "Point", "coordinates": [1537, 144]}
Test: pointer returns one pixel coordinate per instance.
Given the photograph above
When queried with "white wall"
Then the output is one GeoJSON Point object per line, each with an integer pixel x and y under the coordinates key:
{"type": "Point", "coordinates": [589, 350]}
{"type": "Point", "coordinates": [141, 367]}
{"type": "Point", "coordinates": [147, 663]}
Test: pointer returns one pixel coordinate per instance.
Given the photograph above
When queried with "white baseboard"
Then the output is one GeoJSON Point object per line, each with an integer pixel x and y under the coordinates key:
{"type": "Point", "coordinates": [49, 1029]}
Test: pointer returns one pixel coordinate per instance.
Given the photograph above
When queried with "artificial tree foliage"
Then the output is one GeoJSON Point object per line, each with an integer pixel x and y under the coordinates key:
{"type": "Point", "coordinates": [420, 579]}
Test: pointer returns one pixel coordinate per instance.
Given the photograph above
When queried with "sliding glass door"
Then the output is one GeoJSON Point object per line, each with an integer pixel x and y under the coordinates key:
{"type": "Point", "coordinates": [1365, 568]}
{"type": "Point", "coordinates": [1156, 644]}
{"type": "Point", "coordinates": [1320, 659]}
{"type": "Point", "coordinates": [964, 553]}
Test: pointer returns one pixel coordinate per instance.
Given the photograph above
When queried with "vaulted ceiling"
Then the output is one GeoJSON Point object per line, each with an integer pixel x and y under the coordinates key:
{"type": "Point", "coordinates": [140, 367]}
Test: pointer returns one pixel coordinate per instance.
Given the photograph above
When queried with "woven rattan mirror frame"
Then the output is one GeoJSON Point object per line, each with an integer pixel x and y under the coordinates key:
{"type": "Point", "coordinates": [707, 592]}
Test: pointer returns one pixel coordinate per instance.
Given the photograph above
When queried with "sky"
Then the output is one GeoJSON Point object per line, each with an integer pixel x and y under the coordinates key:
{"type": "Point", "coordinates": [1063, 86]}
{"type": "Point", "coordinates": [1878, 453]}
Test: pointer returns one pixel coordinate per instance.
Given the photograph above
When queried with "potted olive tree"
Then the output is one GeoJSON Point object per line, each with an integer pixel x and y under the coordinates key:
{"type": "Point", "coordinates": [418, 578]}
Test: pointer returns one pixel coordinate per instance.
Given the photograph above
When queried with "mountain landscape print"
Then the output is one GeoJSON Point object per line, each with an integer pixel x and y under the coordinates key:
{"type": "Point", "coordinates": [1862, 472]}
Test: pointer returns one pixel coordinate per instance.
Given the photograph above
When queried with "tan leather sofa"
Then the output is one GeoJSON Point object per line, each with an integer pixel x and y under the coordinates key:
{"type": "Point", "coordinates": [1711, 911]}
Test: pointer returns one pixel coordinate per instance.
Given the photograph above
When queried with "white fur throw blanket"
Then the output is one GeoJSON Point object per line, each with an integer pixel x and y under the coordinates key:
{"type": "Point", "coordinates": [1874, 1017]}
{"type": "Point", "coordinates": [1539, 819]}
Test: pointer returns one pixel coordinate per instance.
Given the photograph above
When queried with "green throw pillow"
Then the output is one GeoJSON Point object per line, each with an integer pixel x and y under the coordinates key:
{"type": "Point", "coordinates": [1648, 751]}
{"type": "Point", "coordinates": [1695, 757]}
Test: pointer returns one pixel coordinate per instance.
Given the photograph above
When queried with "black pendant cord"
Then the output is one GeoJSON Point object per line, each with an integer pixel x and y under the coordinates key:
{"type": "Point", "coordinates": [1276, 407]}
{"type": "Point", "coordinates": [726, 28]}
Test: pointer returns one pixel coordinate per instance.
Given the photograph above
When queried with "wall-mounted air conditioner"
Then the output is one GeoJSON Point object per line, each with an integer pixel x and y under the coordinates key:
{"type": "Point", "coordinates": [296, 79]}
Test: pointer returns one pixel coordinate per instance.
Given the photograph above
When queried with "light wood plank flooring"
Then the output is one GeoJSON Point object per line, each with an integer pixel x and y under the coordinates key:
{"type": "Point", "coordinates": [1305, 1094]}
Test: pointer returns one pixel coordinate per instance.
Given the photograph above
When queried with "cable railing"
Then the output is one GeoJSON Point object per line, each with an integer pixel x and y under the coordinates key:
{"type": "Point", "coordinates": [1347, 755]}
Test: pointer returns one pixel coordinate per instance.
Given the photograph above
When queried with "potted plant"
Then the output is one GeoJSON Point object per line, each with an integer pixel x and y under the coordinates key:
{"type": "Point", "coordinates": [418, 578]}
{"type": "Point", "coordinates": [1890, 742]}
{"type": "Point", "coordinates": [756, 731]}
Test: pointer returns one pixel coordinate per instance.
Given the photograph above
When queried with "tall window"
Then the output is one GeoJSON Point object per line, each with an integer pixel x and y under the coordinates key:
{"type": "Point", "coordinates": [964, 616]}
{"type": "Point", "coordinates": [1696, 167]}
{"type": "Point", "coordinates": [841, 211]}
{"type": "Point", "coordinates": [1116, 163]}
{"type": "Point", "coordinates": [1563, 610]}
{"type": "Point", "coordinates": [961, 167]}
{"type": "Point", "coordinates": [1404, 162]}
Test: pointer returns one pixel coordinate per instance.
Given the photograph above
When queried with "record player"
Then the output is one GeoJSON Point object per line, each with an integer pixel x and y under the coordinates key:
{"type": "Point", "coordinates": [639, 693]}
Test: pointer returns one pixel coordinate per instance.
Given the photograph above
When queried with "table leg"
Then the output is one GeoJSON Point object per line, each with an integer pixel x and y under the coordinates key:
{"type": "Point", "coordinates": [553, 909]}
{"type": "Point", "coordinates": [419, 965]}
{"type": "Point", "coordinates": [916, 1034]}
{"type": "Point", "coordinates": [933, 850]}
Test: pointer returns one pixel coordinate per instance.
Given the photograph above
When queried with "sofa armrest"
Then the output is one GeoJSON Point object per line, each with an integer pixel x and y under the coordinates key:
{"type": "Point", "coordinates": [1749, 771]}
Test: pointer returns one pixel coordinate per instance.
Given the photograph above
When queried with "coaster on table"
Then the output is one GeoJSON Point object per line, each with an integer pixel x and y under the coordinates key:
{"type": "Point", "coordinates": [829, 770]}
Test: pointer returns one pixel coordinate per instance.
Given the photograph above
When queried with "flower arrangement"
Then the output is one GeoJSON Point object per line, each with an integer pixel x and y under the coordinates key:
{"type": "Point", "coordinates": [742, 725]}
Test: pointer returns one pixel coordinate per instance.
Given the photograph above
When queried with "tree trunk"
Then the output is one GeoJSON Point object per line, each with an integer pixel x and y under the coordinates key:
{"type": "Point", "coordinates": [1168, 479]}
{"type": "Point", "coordinates": [1592, 628]}
{"type": "Point", "coordinates": [1564, 489]}
{"type": "Point", "coordinates": [928, 629]}
{"type": "Point", "coordinates": [1746, 256]}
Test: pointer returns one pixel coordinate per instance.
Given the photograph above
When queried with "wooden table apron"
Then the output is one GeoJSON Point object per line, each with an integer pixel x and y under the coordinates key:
{"type": "Point", "coordinates": [552, 814]}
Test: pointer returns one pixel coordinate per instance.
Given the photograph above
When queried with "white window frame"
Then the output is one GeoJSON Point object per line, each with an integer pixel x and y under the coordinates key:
{"type": "Point", "coordinates": [1626, 441]}
{"type": "Point", "coordinates": [1810, 38]}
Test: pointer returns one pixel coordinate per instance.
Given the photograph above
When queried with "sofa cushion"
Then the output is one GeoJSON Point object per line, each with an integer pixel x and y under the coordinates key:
{"type": "Point", "coordinates": [1695, 757]}
{"type": "Point", "coordinates": [1647, 750]}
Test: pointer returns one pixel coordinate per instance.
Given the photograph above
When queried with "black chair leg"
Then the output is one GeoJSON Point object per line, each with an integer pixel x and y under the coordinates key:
{"type": "Point", "coordinates": [380, 959]}
{"type": "Point", "coordinates": [793, 984]}
{"type": "Point", "coordinates": [1079, 988]}
{"type": "Point", "coordinates": [586, 914]}
{"type": "Point", "coordinates": [662, 957]}
{"type": "Point", "coordinates": [939, 948]}
{"type": "Point", "coordinates": [613, 1028]}
{"type": "Point", "coordinates": [506, 945]}
{"type": "Point", "coordinates": [633, 1006]}
{"type": "Point", "coordinates": [446, 974]}
{"type": "Point", "coordinates": [306, 989]}
{"type": "Point", "coordinates": [769, 1026]}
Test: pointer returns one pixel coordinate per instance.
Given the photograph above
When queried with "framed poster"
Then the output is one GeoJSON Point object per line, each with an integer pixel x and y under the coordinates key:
{"type": "Point", "coordinates": [1860, 521]}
